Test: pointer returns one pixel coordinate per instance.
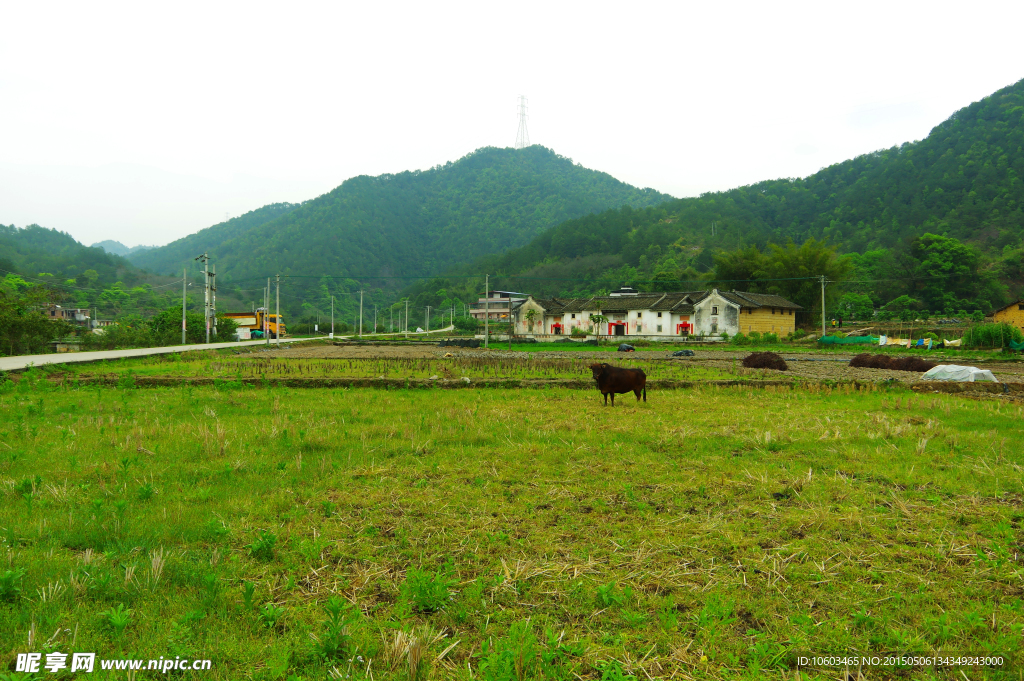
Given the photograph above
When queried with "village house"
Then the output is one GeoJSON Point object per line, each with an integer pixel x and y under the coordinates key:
{"type": "Point", "coordinates": [79, 316]}
{"type": "Point", "coordinates": [497, 305]}
{"type": "Point", "coordinates": [628, 312]}
{"type": "Point", "coordinates": [1012, 314]}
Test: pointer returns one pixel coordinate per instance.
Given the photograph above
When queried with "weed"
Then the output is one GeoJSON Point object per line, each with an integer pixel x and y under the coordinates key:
{"type": "Point", "coordinates": [248, 591]}
{"type": "Point", "coordinates": [426, 592]}
{"type": "Point", "coordinates": [270, 615]}
{"type": "Point", "coordinates": [608, 596]}
{"type": "Point", "coordinates": [334, 643]}
{"type": "Point", "coordinates": [10, 584]}
{"type": "Point", "coordinates": [116, 619]}
{"type": "Point", "coordinates": [145, 492]}
{"type": "Point", "coordinates": [262, 548]}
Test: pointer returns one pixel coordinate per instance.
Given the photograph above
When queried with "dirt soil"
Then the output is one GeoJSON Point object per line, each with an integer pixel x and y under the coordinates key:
{"type": "Point", "coordinates": [810, 365]}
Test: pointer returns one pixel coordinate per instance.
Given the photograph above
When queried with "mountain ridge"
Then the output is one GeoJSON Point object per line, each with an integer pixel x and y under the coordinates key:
{"type": "Point", "coordinates": [409, 223]}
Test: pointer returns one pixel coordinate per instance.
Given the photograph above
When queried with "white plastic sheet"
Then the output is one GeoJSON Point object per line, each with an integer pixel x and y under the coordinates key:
{"type": "Point", "coordinates": [955, 372]}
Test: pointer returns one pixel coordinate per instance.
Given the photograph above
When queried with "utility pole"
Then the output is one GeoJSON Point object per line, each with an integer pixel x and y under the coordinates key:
{"type": "Point", "coordinates": [360, 313]}
{"type": "Point", "coordinates": [266, 312]}
{"type": "Point", "coordinates": [375, 319]}
{"type": "Point", "coordinates": [427, 319]}
{"type": "Point", "coordinates": [213, 299]}
{"type": "Point", "coordinates": [406, 317]}
{"type": "Point", "coordinates": [184, 276]}
{"type": "Point", "coordinates": [205, 259]}
{"type": "Point", "coordinates": [487, 309]}
{"type": "Point", "coordinates": [391, 319]}
{"type": "Point", "coordinates": [823, 306]}
{"type": "Point", "coordinates": [332, 316]}
{"type": "Point", "coordinates": [277, 315]}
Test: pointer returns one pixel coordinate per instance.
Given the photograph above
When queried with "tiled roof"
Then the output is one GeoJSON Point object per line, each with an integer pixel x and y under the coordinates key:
{"type": "Point", "coordinates": [678, 302]}
{"type": "Point", "coordinates": [759, 300]}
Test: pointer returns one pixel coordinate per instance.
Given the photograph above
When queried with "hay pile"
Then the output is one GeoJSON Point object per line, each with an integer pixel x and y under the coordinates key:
{"type": "Point", "coordinates": [872, 361]}
{"type": "Point", "coordinates": [765, 360]}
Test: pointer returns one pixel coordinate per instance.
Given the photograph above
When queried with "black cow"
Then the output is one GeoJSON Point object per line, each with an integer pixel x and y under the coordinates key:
{"type": "Point", "coordinates": [612, 380]}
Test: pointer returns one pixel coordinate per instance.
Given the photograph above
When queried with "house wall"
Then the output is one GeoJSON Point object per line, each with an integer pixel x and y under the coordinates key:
{"type": "Point", "coordinates": [648, 321]}
{"type": "Point", "coordinates": [1012, 314]}
{"type": "Point", "coordinates": [762, 320]}
{"type": "Point", "coordinates": [727, 318]}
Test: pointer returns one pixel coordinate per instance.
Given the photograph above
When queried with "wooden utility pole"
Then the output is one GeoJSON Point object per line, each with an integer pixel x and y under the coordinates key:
{"type": "Point", "coordinates": [360, 313]}
{"type": "Point", "coordinates": [277, 314]}
{"type": "Point", "coordinates": [487, 310]}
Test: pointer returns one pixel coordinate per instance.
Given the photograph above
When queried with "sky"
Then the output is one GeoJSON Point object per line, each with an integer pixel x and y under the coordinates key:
{"type": "Point", "coordinates": [145, 122]}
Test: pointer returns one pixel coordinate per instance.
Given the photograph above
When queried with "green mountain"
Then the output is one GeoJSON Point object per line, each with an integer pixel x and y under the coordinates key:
{"type": "Point", "coordinates": [962, 184]}
{"type": "Point", "coordinates": [412, 223]}
{"type": "Point", "coordinates": [47, 255]}
{"type": "Point", "coordinates": [175, 255]}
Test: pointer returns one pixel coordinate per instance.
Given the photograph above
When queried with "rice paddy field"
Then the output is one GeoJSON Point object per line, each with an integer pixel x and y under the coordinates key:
{"type": "Point", "coordinates": [227, 366]}
{"type": "Point", "coordinates": [711, 533]}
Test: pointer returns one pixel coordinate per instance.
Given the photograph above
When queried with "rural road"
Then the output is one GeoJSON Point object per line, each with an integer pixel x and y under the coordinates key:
{"type": "Point", "coordinates": [23, 361]}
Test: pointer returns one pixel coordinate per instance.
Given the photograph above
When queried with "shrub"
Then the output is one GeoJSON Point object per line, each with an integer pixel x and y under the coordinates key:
{"type": "Point", "coordinates": [765, 360]}
{"type": "Point", "coordinates": [466, 324]}
{"type": "Point", "coordinates": [740, 339]}
{"type": "Point", "coordinates": [991, 335]}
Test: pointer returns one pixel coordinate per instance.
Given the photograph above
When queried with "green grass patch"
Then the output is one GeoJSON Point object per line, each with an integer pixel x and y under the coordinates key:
{"type": "Point", "coordinates": [521, 534]}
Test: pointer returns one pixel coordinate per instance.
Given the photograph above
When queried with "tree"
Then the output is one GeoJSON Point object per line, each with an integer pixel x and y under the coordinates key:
{"type": "Point", "coordinates": [856, 306]}
{"type": "Point", "coordinates": [530, 315]}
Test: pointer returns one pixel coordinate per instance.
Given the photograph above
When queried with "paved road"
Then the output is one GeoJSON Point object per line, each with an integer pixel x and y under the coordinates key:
{"type": "Point", "coordinates": [22, 361]}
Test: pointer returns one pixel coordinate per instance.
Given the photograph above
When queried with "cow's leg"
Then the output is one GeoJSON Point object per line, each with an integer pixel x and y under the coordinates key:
{"type": "Point", "coordinates": [637, 393]}
{"type": "Point", "coordinates": [606, 399]}
{"type": "Point", "coordinates": [613, 399]}
{"type": "Point", "coordinates": [645, 393]}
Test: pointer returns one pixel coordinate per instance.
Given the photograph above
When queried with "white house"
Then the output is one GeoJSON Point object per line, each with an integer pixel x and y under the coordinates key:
{"type": "Point", "coordinates": [627, 312]}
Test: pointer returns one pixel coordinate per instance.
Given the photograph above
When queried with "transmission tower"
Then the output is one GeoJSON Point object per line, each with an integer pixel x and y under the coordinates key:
{"type": "Point", "coordinates": [523, 136]}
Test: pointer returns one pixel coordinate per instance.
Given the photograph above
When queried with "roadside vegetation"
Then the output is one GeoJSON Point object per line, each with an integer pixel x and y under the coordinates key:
{"type": "Point", "coordinates": [712, 534]}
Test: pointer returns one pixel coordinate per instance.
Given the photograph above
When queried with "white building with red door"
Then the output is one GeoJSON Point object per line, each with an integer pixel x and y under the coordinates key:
{"type": "Point", "coordinates": [628, 312]}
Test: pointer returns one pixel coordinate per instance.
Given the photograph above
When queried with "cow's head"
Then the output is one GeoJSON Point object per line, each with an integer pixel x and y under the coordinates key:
{"type": "Point", "coordinates": [599, 370]}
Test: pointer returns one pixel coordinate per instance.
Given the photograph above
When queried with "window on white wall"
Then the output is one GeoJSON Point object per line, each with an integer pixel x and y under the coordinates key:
{"type": "Point", "coordinates": [714, 309]}
{"type": "Point", "coordinates": [659, 328]}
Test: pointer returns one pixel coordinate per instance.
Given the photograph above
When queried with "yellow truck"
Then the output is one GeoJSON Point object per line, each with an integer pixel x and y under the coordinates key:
{"type": "Point", "coordinates": [254, 324]}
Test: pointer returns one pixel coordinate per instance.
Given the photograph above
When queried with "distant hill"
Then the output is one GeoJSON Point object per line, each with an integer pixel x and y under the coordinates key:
{"type": "Point", "coordinates": [963, 182]}
{"type": "Point", "coordinates": [411, 223]}
{"type": "Point", "coordinates": [118, 248]}
{"type": "Point", "coordinates": [49, 255]}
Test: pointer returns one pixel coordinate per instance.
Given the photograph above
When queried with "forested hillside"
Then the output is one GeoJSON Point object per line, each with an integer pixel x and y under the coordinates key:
{"type": "Point", "coordinates": [410, 223]}
{"type": "Point", "coordinates": [175, 255]}
{"type": "Point", "coordinates": [961, 186]}
{"type": "Point", "coordinates": [55, 257]}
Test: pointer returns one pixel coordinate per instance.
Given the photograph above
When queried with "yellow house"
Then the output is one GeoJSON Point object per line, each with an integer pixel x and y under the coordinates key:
{"type": "Point", "coordinates": [1011, 314]}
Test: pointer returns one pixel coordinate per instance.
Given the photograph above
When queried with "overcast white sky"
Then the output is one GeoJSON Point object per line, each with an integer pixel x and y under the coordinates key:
{"type": "Point", "coordinates": [146, 121]}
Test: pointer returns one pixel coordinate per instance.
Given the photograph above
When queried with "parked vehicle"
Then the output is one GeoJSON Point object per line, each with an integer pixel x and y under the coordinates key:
{"type": "Point", "coordinates": [257, 323]}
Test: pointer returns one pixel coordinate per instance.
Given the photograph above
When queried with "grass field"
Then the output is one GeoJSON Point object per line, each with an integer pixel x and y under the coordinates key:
{"type": "Point", "coordinates": [521, 534]}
